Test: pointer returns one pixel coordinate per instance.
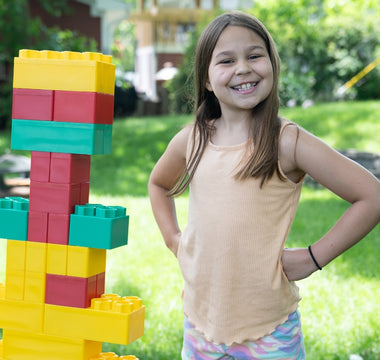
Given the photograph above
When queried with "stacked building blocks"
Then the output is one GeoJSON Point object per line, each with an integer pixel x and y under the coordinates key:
{"type": "Point", "coordinates": [52, 305]}
{"type": "Point", "coordinates": [99, 226]}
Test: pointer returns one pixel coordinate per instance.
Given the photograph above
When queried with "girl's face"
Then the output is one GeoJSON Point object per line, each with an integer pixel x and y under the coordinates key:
{"type": "Point", "coordinates": [240, 72]}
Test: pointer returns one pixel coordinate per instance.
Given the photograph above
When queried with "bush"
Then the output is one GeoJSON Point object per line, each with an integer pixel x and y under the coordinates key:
{"type": "Point", "coordinates": [19, 31]}
{"type": "Point", "coordinates": [321, 47]}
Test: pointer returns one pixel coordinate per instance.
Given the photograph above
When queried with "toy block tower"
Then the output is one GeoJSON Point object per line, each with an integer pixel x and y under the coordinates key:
{"type": "Point", "coordinates": [53, 306]}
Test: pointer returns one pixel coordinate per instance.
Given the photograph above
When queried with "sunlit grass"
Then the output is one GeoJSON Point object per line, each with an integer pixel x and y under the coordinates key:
{"type": "Point", "coordinates": [340, 306]}
{"type": "Point", "coordinates": [342, 125]}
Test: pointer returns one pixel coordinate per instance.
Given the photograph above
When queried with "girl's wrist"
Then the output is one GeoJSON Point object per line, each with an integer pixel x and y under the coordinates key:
{"type": "Point", "coordinates": [313, 258]}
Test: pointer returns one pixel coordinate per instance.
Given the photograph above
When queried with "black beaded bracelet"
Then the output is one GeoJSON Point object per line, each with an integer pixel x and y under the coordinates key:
{"type": "Point", "coordinates": [312, 256]}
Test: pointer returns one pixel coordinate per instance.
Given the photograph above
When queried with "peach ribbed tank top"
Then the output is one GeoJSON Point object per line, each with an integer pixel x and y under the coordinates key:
{"type": "Point", "coordinates": [230, 251]}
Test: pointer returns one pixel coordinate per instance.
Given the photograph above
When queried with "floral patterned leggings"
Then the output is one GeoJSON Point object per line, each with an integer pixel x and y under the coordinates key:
{"type": "Point", "coordinates": [285, 343]}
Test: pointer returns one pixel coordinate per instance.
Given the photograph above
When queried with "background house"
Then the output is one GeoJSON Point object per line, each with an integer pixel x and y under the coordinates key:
{"type": "Point", "coordinates": [162, 30]}
{"type": "Point", "coordinates": [96, 19]}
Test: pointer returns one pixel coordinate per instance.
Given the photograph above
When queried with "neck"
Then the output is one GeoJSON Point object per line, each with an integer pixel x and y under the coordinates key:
{"type": "Point", "coordinates": [231, 130]}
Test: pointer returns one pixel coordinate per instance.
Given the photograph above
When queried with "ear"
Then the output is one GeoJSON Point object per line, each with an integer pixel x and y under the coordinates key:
{"type": "Point", "coordinates": [208, 86]}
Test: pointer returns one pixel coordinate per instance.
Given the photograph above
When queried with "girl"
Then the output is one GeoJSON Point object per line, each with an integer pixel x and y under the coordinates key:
{"type": "Point", "coordinates": [244, 166]}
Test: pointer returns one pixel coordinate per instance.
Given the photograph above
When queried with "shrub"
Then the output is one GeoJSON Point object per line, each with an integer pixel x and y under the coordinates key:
{"type": "Point", "coordinates": [322, 44]}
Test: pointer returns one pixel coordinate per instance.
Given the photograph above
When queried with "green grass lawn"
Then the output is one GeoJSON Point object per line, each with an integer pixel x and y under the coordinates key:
{"type": "Point", "coordinates": [341, 304]}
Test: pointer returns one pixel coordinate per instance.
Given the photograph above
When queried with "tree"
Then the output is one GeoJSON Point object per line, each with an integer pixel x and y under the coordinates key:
{"type": "Point", "coordinates": [322, 44]}
{"type": "Point", "coordinates": [19, 31]}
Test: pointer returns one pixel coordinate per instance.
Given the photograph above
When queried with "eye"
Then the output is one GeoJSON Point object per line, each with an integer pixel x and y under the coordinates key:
{"type": "Point", "coordinates": [226, 61]}
{"type": "Point", "coordinates": [254, 56]}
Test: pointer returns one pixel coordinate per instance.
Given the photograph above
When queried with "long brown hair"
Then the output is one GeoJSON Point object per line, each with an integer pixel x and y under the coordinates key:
{"type": "Point", "coordinates": [265, 124]}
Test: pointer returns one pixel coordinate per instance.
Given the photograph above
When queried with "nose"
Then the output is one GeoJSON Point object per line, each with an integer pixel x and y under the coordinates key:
{"type": "Point", "coordinates": [242, 67]}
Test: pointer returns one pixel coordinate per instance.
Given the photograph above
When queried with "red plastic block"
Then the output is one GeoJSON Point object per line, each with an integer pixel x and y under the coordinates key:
{"type": "Point", "coordinates": [84, 192]}
{"type": "Point", "coordinates": [58, 229]}
{"type": "Point", "coordinates": [40, 166]}
{"type": "Point", "coordinates": [54, 198]}
{"type": "Point", "coordinates": [32, 104]}
{"type": "Point", "coordinates": [69, 168]}
{"type": "Point", "coordinates": [70, 290]}
{"type": "Point", "coordinates": [38, 226]}
{"type": "Point", "coordinates": [84, 107]}
{"type": "Point", "coordinates": [100, 283]}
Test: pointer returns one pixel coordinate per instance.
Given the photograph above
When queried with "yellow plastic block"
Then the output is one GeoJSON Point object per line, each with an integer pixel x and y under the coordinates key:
{"type": "Point", "coordinates": [106, 356]}
{"type": "Point", "coordinates": [15, 283]}
{"type": "Point", "coordinates": [16, 255]}
{"type": "Point", "coordinates": [85, 262]}
{"type": "Point", "coordinates": [21, 315]}
{"type": "Point", "coordinates": [36, 255]}
{"type": "Point", "coordinates": [2, 290]}
{"type": "Point", "coordinates": [56, 259]}
{"type": "Point", "coordinates": [20, 345]}
{"type": "Point", "coordinates": [113, 321]}
{"type": "Point", "coordinates": [1, 348]}
{"type": "Point", "coordinates": [70, 71]}
{"type": "Point", "coordinates": [112, 355]}
{"type": "Point", "coordinates": [35, 286]}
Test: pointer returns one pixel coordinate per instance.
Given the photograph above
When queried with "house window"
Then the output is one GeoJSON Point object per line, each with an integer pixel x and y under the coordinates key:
{"type": "Point", "coordinates": [176, 4]}
{"type": "Point", "coordinates": [171, 35]}
{"type": "Point", "coordinates": [207, 4]}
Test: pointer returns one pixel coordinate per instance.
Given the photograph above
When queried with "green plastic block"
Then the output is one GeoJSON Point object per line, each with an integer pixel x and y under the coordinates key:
{"type": "Point", "coordinates": [98, 226]}
{"type": "Point", "coordinates": [14, 213]}
{"type": "Point", "coordinates": [62, 137]}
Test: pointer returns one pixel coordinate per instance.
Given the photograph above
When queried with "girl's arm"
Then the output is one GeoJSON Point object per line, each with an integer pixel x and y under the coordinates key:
{"type": "Point", "coordinates": [346, 179]}
{"type": "Point", "coordinates": [164, 176]}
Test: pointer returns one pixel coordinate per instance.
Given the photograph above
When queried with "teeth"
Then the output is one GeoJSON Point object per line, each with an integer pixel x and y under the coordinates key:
{"type": "Point", "coordinates": [245, 86]}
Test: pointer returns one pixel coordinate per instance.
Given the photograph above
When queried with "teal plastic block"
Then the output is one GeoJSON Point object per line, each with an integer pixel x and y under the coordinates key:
{"type": "Point", "coordinates": [61, 137]}
{"type": "Point", "coordinates": [14, 213]}
{"type": "Point", "coordinates": [98, 226]}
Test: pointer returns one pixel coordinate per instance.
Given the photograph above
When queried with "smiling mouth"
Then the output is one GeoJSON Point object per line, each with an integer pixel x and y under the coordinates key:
{"type": "Point", "coordinates": [245, 86]}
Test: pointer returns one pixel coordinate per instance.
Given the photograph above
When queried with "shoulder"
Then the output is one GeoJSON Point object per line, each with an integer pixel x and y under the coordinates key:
{"type": "Point", "coordinates": [289, 135]}
{"type": "Point", "coordinates": [172, 163]}
{"type": "Point", "coordinates": [287, 144]}
{"type": "Point", "coordinates": [178, 144]}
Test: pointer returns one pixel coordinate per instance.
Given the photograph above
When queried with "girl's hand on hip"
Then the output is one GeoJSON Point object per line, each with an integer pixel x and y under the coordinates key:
{"type": "Point", "coordinates": [297, 263]}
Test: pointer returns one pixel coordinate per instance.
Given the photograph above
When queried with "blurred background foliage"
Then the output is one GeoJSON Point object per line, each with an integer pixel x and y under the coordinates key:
{"type": "Point", "coordinates": [18, 30]}
{"type": "Point", "coordinates": [322, 44]}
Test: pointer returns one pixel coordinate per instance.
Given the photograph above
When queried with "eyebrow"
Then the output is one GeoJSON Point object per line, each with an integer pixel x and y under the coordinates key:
{"type": "Point", "coordinates": [250, 48]}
